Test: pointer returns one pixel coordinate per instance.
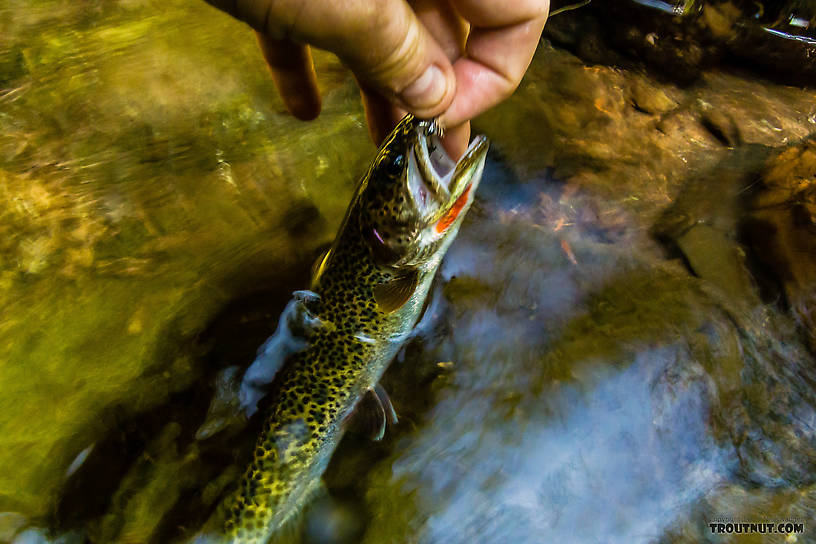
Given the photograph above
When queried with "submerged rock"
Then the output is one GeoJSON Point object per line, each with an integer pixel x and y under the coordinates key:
{"type": "Point", "coordinates": [781, 229]}
{"type": "Point", "coordinates": [650, 98]}
{"type": "Point", "coordinates": [702, 225]}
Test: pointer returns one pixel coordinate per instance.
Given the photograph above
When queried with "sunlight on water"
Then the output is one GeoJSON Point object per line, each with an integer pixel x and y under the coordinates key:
{"type": "Point", "coordinates": [625, 456]}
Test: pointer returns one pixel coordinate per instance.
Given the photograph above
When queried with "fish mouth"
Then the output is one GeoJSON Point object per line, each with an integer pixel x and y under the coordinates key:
{"type": "Point", "coordinates": [438, 184]}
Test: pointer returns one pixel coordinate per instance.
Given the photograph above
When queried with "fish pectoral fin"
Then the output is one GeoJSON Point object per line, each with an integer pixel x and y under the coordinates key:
{"type": "Point", "coordinates": [385, 404]}
{"type": "Point", "coordinates": [424, 325]}
{"type": "Point", "coordinates": [224, 410]}
{"type": "Point", "coordinates": [372, 413]}
{"type": "Point", "coordinates": [392, 295]}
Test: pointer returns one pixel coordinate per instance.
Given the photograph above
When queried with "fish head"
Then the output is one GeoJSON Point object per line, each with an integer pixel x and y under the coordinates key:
{"type": "Point", "coordinates": [417, 196]}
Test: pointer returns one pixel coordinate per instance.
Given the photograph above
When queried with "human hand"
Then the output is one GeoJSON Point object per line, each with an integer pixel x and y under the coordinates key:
{"type": "Point", "coordinates": [448, 58]}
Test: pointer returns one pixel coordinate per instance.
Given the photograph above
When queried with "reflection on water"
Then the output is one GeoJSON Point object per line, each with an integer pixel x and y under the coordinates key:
{"type": "Point", "coordinates": [631, 450]}
{"type": "Point", "coordinates": [620, 348]}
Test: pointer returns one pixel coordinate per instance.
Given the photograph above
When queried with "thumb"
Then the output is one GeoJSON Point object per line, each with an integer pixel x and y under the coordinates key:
{"type": "Point", "coordinates": [382, 42]}
{"type": "Point", "coordinates": [391, 51]}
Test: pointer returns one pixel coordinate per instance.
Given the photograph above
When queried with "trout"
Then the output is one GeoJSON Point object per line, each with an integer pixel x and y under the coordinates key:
{"type": "Point", "coordinates": [366, 296]}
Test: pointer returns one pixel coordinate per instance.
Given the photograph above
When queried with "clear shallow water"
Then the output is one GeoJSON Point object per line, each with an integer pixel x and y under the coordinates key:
{"type": "Point", "coordinates": [580, 382]}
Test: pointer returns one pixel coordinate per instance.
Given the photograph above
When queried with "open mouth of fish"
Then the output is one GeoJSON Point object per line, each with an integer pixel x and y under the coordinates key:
{"type": "Point", "coordinates": [439, 186]}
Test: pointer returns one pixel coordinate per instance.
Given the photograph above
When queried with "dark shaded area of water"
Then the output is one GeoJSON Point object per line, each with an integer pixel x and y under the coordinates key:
{"type": "Point", "coordinates": [679, 39]}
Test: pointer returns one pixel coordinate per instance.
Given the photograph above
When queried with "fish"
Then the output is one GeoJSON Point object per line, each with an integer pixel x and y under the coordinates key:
{"type": "Point", "coordinates": [365, 299]}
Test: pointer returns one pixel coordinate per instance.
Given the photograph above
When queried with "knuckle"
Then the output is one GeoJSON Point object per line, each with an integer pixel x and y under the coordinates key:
{"type": "Point", "coordinates": [397, 61]}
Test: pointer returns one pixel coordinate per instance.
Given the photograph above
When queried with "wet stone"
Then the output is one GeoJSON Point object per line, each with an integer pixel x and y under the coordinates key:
{"type": "Point", "coordinates": [650, 98]}
{"type": "Point", "coordinates": [718, 259]}
{"type": "Point", "coordinates": [781, 228]}
{"type": "Point", "coordinates": [722, 126]}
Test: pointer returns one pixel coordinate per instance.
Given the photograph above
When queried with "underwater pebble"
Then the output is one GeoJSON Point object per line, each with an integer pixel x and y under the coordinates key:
{"type": "Point", "coordinates": [650, 99]}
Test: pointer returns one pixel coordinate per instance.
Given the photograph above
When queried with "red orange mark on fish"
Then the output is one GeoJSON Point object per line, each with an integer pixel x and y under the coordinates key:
{"type": "Point", "coordinates": [451, 215]}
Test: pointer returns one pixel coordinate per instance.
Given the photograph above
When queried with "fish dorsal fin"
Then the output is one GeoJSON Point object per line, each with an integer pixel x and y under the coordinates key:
{"type": "Point", "coordinates": [393, 294]}
{"type": "Point", "coordinates": [372, 413]}
{"type": "Point", "coordinates": [320, 262]}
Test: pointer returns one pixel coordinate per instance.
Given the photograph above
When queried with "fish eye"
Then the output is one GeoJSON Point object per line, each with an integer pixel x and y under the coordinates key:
{"type": "Point", "coordinates": [394, 166]}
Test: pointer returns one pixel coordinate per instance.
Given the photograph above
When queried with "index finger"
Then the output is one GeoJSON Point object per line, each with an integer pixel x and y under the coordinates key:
{"type": "Point", "coordinates": [503, 38]}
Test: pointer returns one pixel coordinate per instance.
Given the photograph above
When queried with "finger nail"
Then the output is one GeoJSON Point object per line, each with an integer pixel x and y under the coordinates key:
{"type": "Point", "coordinates": [427, 90]}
